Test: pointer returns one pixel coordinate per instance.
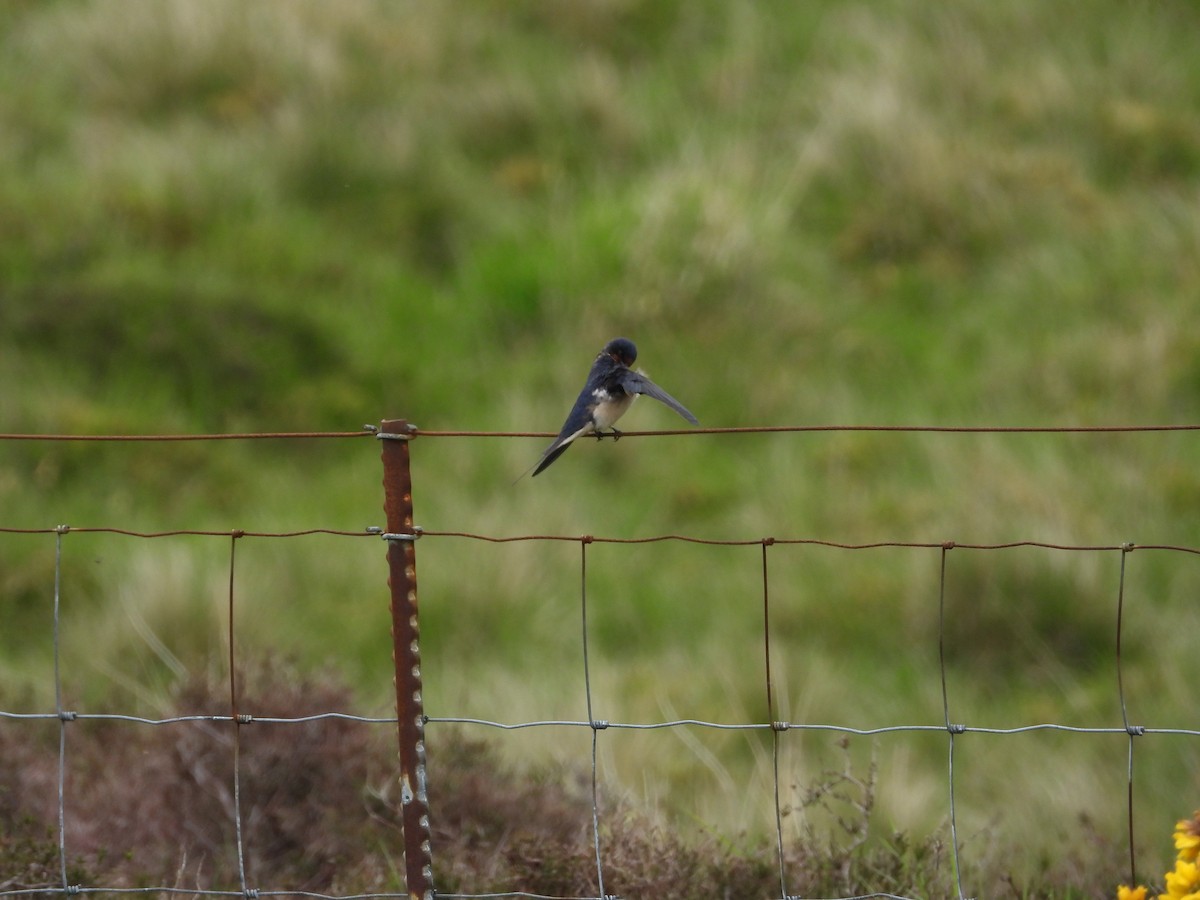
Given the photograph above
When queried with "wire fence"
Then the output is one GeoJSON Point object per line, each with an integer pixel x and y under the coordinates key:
{"type": "Point", "coordinates": [401, 536]}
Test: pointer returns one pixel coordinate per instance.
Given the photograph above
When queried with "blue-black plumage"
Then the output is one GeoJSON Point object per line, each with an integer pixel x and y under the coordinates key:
{"type": "Point", "coordinates": [610, 389]}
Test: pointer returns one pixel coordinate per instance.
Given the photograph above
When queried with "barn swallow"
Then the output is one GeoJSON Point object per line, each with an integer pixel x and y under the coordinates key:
{"type": "Point", "coordinates": [610, 389]}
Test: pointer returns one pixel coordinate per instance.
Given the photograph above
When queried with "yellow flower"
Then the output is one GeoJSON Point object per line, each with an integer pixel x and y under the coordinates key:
{"type": "Point", "coordinates": [1187, 838]}
{"type": "Point", "coordinates": [1127, 893]}
{"type": "Point", "coordinates": [1183, 883]}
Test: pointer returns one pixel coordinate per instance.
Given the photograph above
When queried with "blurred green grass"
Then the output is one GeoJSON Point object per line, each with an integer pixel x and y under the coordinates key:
{"type": "Point", "coordinates": [310, 216]}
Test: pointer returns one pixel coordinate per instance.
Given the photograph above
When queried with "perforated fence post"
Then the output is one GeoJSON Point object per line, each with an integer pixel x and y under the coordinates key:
{"type": "Point", "coordinates": [401, 539]}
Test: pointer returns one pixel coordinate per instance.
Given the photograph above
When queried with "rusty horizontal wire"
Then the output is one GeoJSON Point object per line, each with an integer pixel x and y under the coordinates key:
{"type": "Point", "coordinates": [168, 438]}
{"type": "Point", "coordinates": [187, 532]}
{"type": "Point", "coordinates": [669, 432]}
{"type": "Point", "coordinates": [789, 429]}
{"type": "Point", "coordinates": [815, 542]}
{"type": "Point", "coordinates": [374, 532]}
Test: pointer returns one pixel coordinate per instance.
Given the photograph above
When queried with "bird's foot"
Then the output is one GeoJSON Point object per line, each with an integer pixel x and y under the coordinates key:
{"type": "Point", "coordinates": [612, 433]}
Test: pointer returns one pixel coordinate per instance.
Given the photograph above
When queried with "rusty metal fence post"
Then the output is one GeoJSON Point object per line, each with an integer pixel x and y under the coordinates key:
{"type": "Point", "coordinates": [401, 537]}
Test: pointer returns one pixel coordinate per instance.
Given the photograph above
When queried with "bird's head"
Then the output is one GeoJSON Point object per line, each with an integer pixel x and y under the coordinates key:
{"type": "Point", "coordinates": [622, 350]}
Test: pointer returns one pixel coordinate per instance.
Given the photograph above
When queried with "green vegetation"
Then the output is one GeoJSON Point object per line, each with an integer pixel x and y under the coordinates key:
{"type": "Point", "coordinates": [305, 215]}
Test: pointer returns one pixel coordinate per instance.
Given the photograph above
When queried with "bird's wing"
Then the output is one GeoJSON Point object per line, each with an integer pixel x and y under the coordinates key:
{"type": "Point", "coordinates": [637, 383]}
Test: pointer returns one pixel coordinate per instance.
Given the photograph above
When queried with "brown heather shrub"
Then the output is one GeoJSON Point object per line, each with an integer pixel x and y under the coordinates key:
{"type": "Point", "coordinates": [153, 805]}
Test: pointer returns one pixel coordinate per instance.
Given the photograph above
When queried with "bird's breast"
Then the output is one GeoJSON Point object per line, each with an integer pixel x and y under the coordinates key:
{"type": "Point", "coordinates": [609, 407]}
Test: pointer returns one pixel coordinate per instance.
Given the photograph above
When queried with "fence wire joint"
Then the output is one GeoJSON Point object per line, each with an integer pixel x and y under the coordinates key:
{"type": "Point", "coordinates": [402, 535]}
{"type": "Point", "coordinates": [390, 436]}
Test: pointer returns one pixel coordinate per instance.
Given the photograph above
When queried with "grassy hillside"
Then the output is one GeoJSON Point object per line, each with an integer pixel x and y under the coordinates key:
{"type": "Point", "coordinates": [294, 216]}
